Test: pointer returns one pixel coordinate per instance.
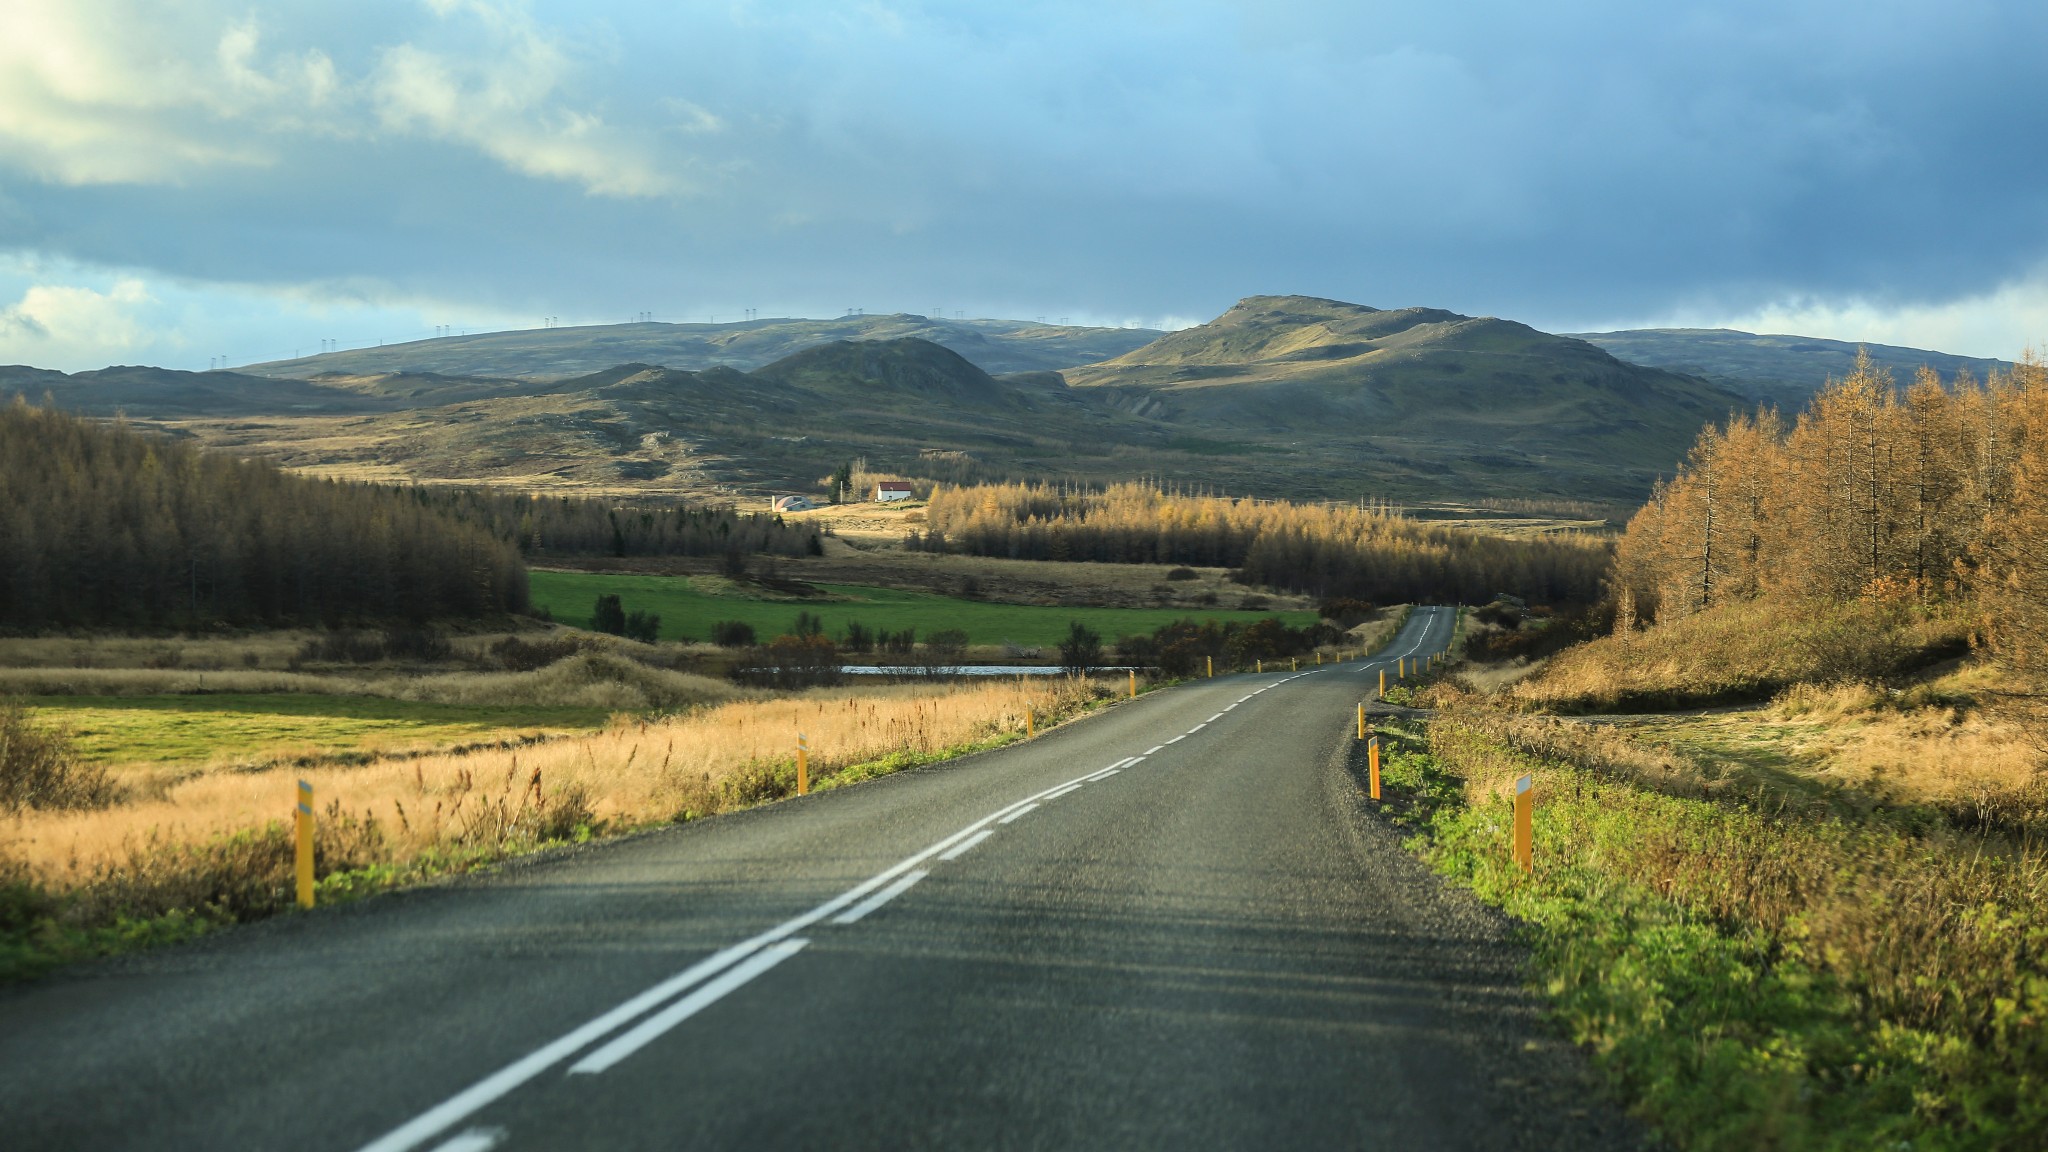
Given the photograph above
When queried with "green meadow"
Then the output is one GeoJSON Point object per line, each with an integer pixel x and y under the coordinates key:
{"type": "Point", "coordinates": [189, 729]}
{"type": "Point", "coordinates": [688, 608]}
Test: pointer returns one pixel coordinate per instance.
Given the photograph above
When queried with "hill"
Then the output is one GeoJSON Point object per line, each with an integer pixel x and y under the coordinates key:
{"type": "Point", "coordinates": [1783, 370]}
{"type": "Point", "coordinates": [1280, 396]}
{"type": "Point", "coordinates": [1431, 392]}
{"type": "Point", "coordinates": [995, 346]}
{"type": "Point", "coordinates": [166, 392]}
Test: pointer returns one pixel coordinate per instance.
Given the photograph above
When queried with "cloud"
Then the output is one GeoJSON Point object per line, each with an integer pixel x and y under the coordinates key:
{"type": "Point", "coordinates": [116, 92]}
{"type": "Point", "coordinates": [505, 102]}
{"type": "Point", "coordinates": [2002, 322]}
{"type": "Point", "coordinates": [58, 322]}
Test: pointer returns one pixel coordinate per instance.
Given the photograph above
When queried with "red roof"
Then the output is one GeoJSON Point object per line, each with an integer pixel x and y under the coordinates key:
{"type": "Point", "coordinates": [892, 486]}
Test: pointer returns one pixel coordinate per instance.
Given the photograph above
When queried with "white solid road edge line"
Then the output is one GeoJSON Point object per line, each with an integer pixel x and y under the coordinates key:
{"type": "Point", "coordinates": [967, 845]}
{"type": "Point", "coordinates": [868, 905]}
{"type": "Point", "coordinates": [497, 1085]}
{"type": "Point", "coordinates": [650, 1029]}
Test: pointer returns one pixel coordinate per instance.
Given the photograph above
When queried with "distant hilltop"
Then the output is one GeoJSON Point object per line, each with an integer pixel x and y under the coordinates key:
{"type": "Point", "coordinates": [994, 346]}
{"type": "Point", "coordinates": [1781, 370]}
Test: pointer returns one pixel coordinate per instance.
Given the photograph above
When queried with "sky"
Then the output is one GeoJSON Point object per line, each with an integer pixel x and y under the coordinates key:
{"type": "Point", "coordinates": [212, 182]}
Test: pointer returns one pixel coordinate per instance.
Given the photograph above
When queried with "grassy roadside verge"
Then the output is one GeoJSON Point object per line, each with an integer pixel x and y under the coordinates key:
{"type": "Point", "coordinates": [1749, 979]}
{"type": "Point", "coordinates": [76, 885]}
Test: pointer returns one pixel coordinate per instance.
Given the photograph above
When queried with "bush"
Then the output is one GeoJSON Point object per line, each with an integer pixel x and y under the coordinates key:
{"type": "Point", "coordinates": [1138, 649]}
{"type": "Point", "coordinates": [1345, 612]}
{"type": "Point", "coordinates": [642, 626]}
{"type": "Point", "coordinates": [1081, 650]}
{"type": "Point", "coordinates": [899, 643]}
{"type": "Point", "coordinates": [424, 644]}
{"type": "Point", "coordinates": [522, 656]}
{"type": "Point", "coordinates": [342, 646]}
{"type": "Point", "coordinates": [807, 625]}
{"type": "Point", "coordinates": [947, 641]}
{"type": "Point", "coordinates": [1182, 574]}
{"type": "Point", "coordinates": [39, 768]}
{"type": "Point", "coordinates": [609, 615]}
{"type": "Point", "coordinates": [790, 662]}
{"type": "Point", "coordinates": [859, 637]}
{"type": "Point", "coordinates": [732, 634]}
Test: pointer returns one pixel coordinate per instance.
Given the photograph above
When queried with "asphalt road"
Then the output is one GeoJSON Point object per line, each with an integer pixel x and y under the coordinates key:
{"type": "Point", "coordinates": [1173, 925]}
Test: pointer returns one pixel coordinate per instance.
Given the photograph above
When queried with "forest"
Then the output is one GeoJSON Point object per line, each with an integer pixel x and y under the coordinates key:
{"type": "Point", "coordinates": [1320, 550]}
{"type": "Point", "coordinates": [102, 526]}
{"type": "Point", "coordinates": [1935, 495]}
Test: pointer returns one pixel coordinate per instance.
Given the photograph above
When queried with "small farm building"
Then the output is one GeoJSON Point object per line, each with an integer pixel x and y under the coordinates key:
{"type": "Point", "coordinates": [889, 490]}
{"type": "Point", "coordinates": [793, 504]}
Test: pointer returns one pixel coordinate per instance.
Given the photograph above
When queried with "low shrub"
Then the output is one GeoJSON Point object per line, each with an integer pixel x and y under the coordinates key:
{"type": "Point", "coordinates": [790, 662]}
{"type": "Point", "coordinates": [40, 769]}
{"type": "Point", "coordinates": [519, 655]}
{"type": "Point", "coordinates": [732, 634]}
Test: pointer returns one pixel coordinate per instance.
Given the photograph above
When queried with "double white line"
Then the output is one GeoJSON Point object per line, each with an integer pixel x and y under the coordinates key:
{"type": "Point", "coordinates": [719, 973]}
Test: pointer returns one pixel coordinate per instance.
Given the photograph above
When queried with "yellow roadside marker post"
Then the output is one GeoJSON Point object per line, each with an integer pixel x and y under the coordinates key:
{"type": "Point", "coordinates": [1361, 720]}
{"type": "Point", "coordinates": [1294, 663]}
{"type": "Point", "coordinates": [1319, 657]}
{"type": "Point", "coordinates": [1525, 824]}
{"type": "Point", "coordinates": [1028, 733]}
{"type": "Point", "coordinates": [803, 765]}
{"type": "Point", "coordinates": [305, 847]}
{"type": "Point", "coordinates": [1259, 664]}
{"type": "Point", "coordinates": [1134, 683]}
{"type": "Point", "coordinates": [1383, 683]}
{"type": "Point", "coordinates": [1212, 665]}
{"type": "Point", "coordinates": [1372, 752]}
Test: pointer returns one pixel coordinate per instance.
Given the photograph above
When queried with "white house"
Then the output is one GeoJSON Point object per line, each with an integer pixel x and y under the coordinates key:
{"type": "Point", "coordinates": [889, 491]}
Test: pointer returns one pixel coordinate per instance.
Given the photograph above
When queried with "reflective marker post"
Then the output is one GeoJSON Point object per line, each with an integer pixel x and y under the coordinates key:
{"type": "Point", "coordinates": [1525, 824]}
{"type": "Point", "coordinates": [803, 765]}
{"type": "Point", "coordinates": [305, 849]}
{"type": "Point", "coordinates": [1372, 751]}
{"type": "Point", "coordinates": [1134, 683]}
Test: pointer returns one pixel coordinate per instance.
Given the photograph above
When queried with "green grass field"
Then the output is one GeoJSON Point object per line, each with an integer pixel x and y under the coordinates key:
{"type": "Point", "coordinates": [195, 729]}
{"type": "Point", "coordinates": [687, 612]}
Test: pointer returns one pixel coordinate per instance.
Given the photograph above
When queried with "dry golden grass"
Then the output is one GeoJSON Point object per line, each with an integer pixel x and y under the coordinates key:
{"type": "Point", "coordinates": [588, 680]}
{"type": "Point", "coordinates": [634, 773]}
{"type": "Point", "coordinates": [1741, 651]}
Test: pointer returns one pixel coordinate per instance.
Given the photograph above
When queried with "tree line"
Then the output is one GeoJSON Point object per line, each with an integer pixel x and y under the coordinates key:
{"type": "Point", "coordinates": [1935, 493]}
{"type": "Point", "coordinates": [1322, 550]}
{"type": "Point", "coordinates": [102, 526]}
{"type": "Point", "coordinates": [581, 526]}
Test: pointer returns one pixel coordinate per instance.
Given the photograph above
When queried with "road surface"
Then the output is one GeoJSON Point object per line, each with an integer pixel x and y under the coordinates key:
{"type": "Point", "coordinates": [1174, 925]}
